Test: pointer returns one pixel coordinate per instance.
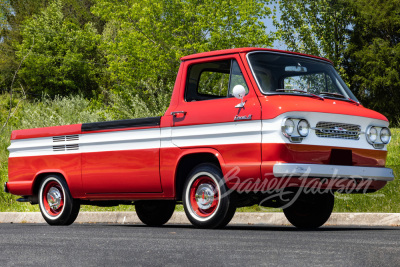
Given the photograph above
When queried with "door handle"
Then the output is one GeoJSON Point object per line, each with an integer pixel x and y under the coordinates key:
{"type": "Point", "coordinates": [175, 113]}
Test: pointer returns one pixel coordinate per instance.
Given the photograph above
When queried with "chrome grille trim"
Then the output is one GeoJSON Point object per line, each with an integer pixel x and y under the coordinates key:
{"type": "Point", "coordinates": [74, 137]}
{"type": "Point", "coordinates": [338, 130]}
{"type": "Point", "coordinates": [65, 138]}
{"type": "Point", "coordinates": [58, 148]}
{"type": "Point", "coordinates": [66, 147]}
{"type": "Point", "coordinates": [72, 147]}
{"type": "Point", "coordinates": [59, 138]}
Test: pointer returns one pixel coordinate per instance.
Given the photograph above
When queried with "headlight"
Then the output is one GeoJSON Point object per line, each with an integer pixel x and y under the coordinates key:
{"type": "Point", "coordinates": [295, 129]}
{"type": "Point", "coordinates": [303, 128]}
{"type": "Point", "coordinates": [372, 134]}
{"type": "Point", "coordinates": [378, 136]}
{"type": "Point", "coordinates": [385, 135]}
{"type": "Point", "coordinates": [289, 127]}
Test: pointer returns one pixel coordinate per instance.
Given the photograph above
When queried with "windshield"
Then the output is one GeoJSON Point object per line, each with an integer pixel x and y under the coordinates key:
{"type": "Point", "coordinates": [290, 74]}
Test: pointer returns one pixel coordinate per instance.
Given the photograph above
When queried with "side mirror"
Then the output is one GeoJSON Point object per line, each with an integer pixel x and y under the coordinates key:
{"type": "Point", "coordinates": [239, 92]}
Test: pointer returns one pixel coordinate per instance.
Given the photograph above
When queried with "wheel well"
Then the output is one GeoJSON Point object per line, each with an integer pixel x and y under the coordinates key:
{"type": "Point", "coordinates": [186, 165]}
{"type": "Point", "coordinates": [39, 179]}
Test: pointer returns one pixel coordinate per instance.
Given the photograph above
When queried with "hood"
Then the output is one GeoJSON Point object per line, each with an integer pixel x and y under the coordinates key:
{"type": "Point", "coordinates": [275, 105]}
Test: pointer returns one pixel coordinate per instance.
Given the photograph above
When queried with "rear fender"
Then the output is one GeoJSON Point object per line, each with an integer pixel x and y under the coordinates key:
{"type": "Point", "coordinates": [74, 188]}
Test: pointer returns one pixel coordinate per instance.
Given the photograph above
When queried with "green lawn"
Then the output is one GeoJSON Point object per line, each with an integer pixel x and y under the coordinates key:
{"type": "Point", "coordinates": [385, 200]}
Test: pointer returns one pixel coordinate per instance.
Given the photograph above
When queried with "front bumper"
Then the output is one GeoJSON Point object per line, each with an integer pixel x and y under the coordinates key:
{"type": "Point", "coordinates": [332, 171]}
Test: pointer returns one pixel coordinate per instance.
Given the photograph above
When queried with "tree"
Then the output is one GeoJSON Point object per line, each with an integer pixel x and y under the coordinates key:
{"type": "Point", "coordinates": [5, 9]}
{"type": "Point", "coordinates": [361, 37]}
{"type": "Point", "coordinates": [318, 27]}
{"type": "Point", "coordinates": [373, 56]}
{"type": "Point", "coordinates": [13, 13]}
{"type": "Point", "coordinates": [143, 40]}
{"type": "Point", "coordinates": [64, 58]}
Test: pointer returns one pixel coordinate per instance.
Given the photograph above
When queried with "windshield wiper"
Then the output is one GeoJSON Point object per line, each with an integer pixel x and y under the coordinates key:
{"type": "Point", "coordinates": [291, 90]}
{"type": "Point", "coordinates": [341, 96]}
{"type": "Point", "coordinates": [300, 91]}
{"type": "Point", "coordinates": [333, 94]}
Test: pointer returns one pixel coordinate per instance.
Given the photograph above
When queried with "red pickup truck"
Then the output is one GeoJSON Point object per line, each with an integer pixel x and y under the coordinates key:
{"type": "Point", "coordinates": [245, 126]}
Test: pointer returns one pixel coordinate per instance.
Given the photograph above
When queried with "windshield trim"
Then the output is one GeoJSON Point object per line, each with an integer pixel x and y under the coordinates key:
{"type": "Point", "coordinates": [292, 55]}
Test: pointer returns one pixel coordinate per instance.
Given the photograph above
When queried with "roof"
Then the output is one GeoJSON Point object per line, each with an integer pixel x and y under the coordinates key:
{"type": "Point", "coordinates": [244, 50]}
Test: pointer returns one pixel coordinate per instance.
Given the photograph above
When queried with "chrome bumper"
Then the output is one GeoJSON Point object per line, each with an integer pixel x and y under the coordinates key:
{"type": "Point", "coordinates": [332, 171]}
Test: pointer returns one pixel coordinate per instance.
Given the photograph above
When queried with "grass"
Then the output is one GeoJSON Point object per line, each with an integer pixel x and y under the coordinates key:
{"type": "Point", "coordinates": [384, 200]}
{"type": "Point", "coordinates": [76, 110]}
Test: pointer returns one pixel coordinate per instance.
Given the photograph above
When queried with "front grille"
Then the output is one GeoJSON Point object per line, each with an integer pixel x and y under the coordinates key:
{"type": "Point", "coordinates": [338, 130]}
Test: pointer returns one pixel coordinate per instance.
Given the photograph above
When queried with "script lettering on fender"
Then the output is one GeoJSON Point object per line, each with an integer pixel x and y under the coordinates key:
{"type": "Point", "coordinates": [242, 118]}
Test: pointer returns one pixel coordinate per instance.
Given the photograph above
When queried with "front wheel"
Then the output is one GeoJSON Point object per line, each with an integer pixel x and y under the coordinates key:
{"type": "Point", "coordinates": [310, 211]}
{"type": "Point", "coordinates": [56, 203]}
{"type": "Point", "coordinates": [155, 212]}
{"type": "Point", "coordinates": [206, 199]}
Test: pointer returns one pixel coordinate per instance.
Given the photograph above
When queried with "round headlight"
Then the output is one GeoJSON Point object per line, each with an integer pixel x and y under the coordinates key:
{"type": "Point", "coordinates": [372, 134]}
{"type": "Point", "coordinates": [303, 128]}
{"type": "Point", "coordinates": [289, 127]}
{"type": "Point", "coordinates": [385, 135]}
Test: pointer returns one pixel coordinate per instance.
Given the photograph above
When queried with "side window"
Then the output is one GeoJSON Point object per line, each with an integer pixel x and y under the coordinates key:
{"type": "Point", "coordinates": [213, 80]}
{"type": "Point", "coordinates": [213, 83]}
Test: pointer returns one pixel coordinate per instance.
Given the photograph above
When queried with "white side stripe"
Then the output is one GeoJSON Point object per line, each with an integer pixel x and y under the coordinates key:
{"type": "Point", "coordinates": [242, 132]}
{"type": "Point", "coordinates": [120, 140]}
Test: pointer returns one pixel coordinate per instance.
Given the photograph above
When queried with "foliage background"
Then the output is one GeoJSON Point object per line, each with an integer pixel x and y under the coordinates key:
{"type": "Point", "coordinates": [74, 61]}
{"type": "Point", "coordinates": [361, 37]}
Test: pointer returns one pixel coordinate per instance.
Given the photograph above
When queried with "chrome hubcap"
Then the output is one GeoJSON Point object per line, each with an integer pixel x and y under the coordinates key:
{"type": "Point", "coordinates": [204, 196]}
{"type": "Point", "coordinates": [54, 198]}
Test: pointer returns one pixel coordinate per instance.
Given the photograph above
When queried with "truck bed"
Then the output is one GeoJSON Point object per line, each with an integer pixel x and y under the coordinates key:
{"type": "Point", "coordinates": [85, 127]}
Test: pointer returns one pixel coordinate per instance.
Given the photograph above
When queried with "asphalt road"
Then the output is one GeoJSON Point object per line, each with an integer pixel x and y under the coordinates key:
{"type": "Point", "coordinates": [181, 245]}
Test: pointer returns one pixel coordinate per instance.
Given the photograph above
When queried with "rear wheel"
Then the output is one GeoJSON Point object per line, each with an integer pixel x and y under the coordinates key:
{"type": "Point", "coordinates": [56, 203]}
{"type": "Point", "coordinates": [206, 199]}
{"type": "Point", "coordinates": [155, 212]}
{"type": "Point", "coordinates": [310, 211]}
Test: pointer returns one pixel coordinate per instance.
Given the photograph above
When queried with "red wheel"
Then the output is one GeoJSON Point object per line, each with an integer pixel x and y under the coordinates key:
{"type": "Point", "coordinates": [56, 203]}
{"type": "Point", "coordinates": [206, 199]}
{"type": "Point", "coordinates": [204, 196]}
{"type": "Point", "coordinates": [53, 198]}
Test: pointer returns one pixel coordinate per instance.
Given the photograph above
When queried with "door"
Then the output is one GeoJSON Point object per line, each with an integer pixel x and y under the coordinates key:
{"type": "Point", "coordinates": [208, 115]}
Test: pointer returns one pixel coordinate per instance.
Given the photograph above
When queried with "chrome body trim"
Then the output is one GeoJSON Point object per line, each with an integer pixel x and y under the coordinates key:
{"type": "Point", "coordinates": [332, 171]}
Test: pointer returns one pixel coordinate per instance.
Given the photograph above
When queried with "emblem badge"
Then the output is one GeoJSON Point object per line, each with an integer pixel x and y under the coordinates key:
{"type": "Point", "coordinates": [242, 118]}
